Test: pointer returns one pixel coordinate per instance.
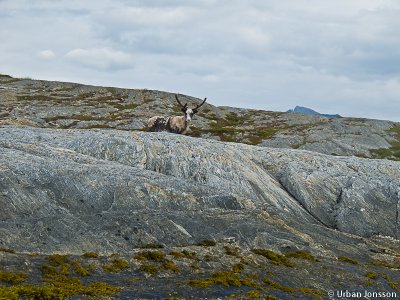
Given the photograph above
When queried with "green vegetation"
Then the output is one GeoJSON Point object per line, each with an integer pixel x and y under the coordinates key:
{"type": "Point", "coordinates": [116, 265]}
{"type": "Point", "coordinates": [237, 268]}
{"type": "Point", "coordinates": [58, 290]}
{"type": "Point", "coordinates": [393, 284]}
{"type": "Point", "coordinates": [302, 254]}
{"type": "Point", "coordinates": [157, 256]}
{"type": "Point", "coordinates": [177, 254]}
{"type": "Point", "coordinates": [12, 277]}
{"type": "Point", "coordinates": [79, 269]}
{"type": "Point", "coordinates": [348, 260]}
{"type": "Point", "coordinates": [153, 246]}
{"type": "Point", "coordinates": [371, 275]}
{"type": "Point", "coordinates": [305, 290]}
{"type": "Point", "coordinates": [254, 294]}
{"type": "Point", "coordinates": [59, 284]}
{"type": "Point", "coordinates": [393, 152]}
{"type": "Point", "coordinates": [7, 250]}
{"type": "Point", "coordinates": [230, 129]}
{"type": "Point", "coordinates": [384, 264]}
{"type": "Point", "coordinates": [224, 278]}
{"type": "Point", "coordinates": [368, 282]}
{"type": "Point", "coordinates": [35, 97]}
{"type": "Point", "coordinates": [149, 269]}
{"type": "Point", "coordinates": [58, 260]}
{"type": "Point", "coordinates": [90, 255]}
{"type": "Point", "coordinates": [232, 251]}
{"type": "Point", "coordinates": [262, 133]}
{"type": "Point", "coordinates": [75, 117]}
{"type": "Point", "coordinates": [275, 258]}
{"type": "Point", "coordinates": [311, 291]}
{"type": "Point", "coordinates": [170, 265]}
{"type": "Point", "coordinates": [206, 243]}
{"type": "Point", "coordinates": [277, 286]}
{"type": "Point", "coordinates": [184, 254]}
{"type": "Point", "coordinates": [125, 106]}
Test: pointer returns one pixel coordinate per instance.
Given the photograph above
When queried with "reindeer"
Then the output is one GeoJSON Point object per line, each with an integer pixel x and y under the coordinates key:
{"type": "Point", "coordinates": [174, 124]}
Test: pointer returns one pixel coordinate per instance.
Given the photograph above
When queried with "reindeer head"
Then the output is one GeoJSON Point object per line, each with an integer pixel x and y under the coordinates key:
{"type": "Point", "coordinates": [189, 112]}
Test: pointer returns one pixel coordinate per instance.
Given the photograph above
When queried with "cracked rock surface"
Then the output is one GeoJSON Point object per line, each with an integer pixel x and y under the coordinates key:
{"type": "Point", "coordinates": [63, 189]}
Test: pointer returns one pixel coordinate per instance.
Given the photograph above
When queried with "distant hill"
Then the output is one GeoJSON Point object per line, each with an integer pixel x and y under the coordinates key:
{"type": "Point", "coordinates": [309, 111]}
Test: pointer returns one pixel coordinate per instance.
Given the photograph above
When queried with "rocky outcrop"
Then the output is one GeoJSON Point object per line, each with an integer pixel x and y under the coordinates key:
{"type": "Point", "coordinates": [108, 190]}
{"type": "Point", "coordinates": [49, 104]}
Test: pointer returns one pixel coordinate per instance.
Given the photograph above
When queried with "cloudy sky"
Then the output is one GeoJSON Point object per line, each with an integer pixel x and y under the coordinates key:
{"type": "Point", "coordinates": [339, 56]}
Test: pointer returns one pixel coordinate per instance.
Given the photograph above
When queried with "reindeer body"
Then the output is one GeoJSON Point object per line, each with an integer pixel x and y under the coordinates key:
{"type": "Point", "coordinates": [174, 124]}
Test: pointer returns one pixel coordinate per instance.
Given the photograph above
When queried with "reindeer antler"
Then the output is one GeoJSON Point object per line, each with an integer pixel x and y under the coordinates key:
{"type": "Point", "coordinates": [198, 106]}
{"type": "Point", "coordinates": [183, 106]}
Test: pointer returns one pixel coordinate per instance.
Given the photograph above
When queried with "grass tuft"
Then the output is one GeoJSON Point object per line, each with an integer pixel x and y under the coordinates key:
{"type": "Point", "coordinates": [302, 254]}
{"type": "Point", "coordinates": [225, 278]}
{"type": "Point", "coordinates": [275, 258]}
{"type": "Point", "coordinates": [149, 269]}
{"type": "Point", "coordinates": [348, 260]}
{"type": "Point", "coordinates": [153, 246]}
{"type": "Point", "coordinates": [116, 266]}
{"type": "Point", "coordinates": [157, 256]}
{"type": "Point", "coordinates": [7, 250]}
{"type": "Point", "coordinates": [12, 277]}
{"type": "Point", "coordinates": [206, 243]}
{"type": "Point", "coordinates": [90, 255]}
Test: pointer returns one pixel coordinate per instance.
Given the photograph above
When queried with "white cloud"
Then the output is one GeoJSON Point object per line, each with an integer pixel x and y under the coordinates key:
{"type": "Point", "coordinates": [47, 54]}
{"type": "Point", "coordinates": [255, 37]}
{"type": "Point", "coordinates": [337, 56]}
{"type": "Point", "coordinates": [100, 58]}
{"type": "Point", "coordinates": [211, 78]}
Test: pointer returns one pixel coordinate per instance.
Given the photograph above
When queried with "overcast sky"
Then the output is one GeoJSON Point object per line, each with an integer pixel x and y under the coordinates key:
{"type": "Point", "coordinates": [339, 56]}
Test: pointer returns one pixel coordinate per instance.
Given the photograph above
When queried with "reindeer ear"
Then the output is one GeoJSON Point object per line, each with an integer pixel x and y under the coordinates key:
{"type": "Point", "coordinates": [195, 111]}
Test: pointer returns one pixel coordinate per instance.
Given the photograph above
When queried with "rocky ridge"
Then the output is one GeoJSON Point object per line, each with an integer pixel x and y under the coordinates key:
{"type": "Point", "coordinates": [158, 215]}
{"type": "Point", "coordinates": [69, 105]}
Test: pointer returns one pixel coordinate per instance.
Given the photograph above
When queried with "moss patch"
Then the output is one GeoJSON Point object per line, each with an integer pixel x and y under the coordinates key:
{"type": "Point", "coordinates": [79, 269]}
{"type": "Point", "coordinates": [206, 243]}
{"type": "Point", "coordinates": [225, 278]}
{"type": "Point", "coordinates": [232, 251]}
{"type": "Point", "coordinates": [275, 258]}
{"type": "Point", "coordinates": [58, 290]}
{"type": "Point", "coordinates": [184, 254]}
{"type": "Point", "coordinates": [237, 268]}
{"type": "Point", "coordinates": [302, 254]}
{"type": "Point", "coordinates": [116, 265]}
{"type": "Point", "coordinates": [153, 246]}
{"type": "Point", "coordinates": [384, 264]}
{"type": "Point", "coordinates": [12, 277]}
{"type": "Point", "coordinates": [254, 294]}
{"type": "Point", "coordinates": [277, 286]}
{"type": "Point", "coordinates": [371, 275]}
{"type": "Point", "coordinates": [7, 250]}
{"type": "Point", "coordinates": [59, 284]}
{"type": "Point", "coordinates": [393, 152]}
{"type": "Point", "coordinates": [149, 269]}
{"type": "Point", "coordinates": [90, 255]}
{"type": "Point", "coordinates": [348, 260]}
{"type": "Point", "coordinates": [232, 128]}
{"type": "Point", "coordinates": [170, 265]}
{"type": "Point", "coordinates": [157, 256]}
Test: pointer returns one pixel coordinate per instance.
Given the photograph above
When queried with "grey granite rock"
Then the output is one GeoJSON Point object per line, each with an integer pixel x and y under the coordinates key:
{"type": "Point", "coordinates": [109, 190]}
